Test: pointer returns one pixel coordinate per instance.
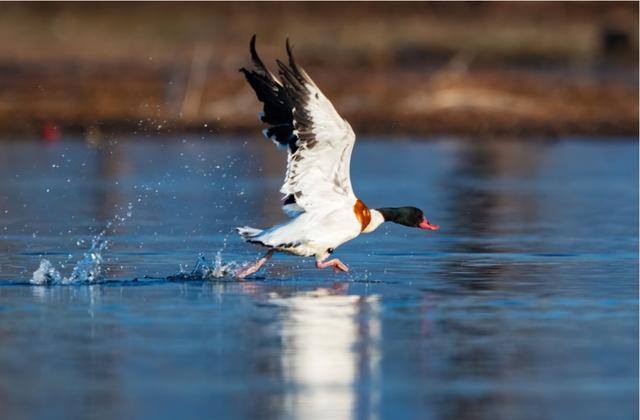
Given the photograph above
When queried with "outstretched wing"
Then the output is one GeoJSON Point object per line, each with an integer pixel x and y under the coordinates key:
{"type": "Point", "coordinates": [319, 141]}
{"type": "Point", "coordinates": [277, 113]}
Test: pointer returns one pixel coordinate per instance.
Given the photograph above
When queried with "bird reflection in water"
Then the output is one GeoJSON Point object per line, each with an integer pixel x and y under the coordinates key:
{"type": "Point", "coordinates": [330, 343]}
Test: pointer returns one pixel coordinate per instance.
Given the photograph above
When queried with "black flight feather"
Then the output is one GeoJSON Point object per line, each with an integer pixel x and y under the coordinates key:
{"type": "Point", "coordinates": [285, 103]}
{"type": "Point", "coordinates": [277, 111]}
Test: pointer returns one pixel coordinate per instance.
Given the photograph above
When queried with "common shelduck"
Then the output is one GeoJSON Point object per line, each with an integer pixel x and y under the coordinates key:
{"type": "Point", "coordinates": [324, 212]}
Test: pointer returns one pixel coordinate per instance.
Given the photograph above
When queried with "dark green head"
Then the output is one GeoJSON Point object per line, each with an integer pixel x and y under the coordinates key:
{"type": "Point", "coordinates": [407, 216]}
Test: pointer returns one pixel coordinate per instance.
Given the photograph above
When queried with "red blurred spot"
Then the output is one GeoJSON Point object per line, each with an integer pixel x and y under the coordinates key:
{"type": "Point", "coordinates": [50, 132]}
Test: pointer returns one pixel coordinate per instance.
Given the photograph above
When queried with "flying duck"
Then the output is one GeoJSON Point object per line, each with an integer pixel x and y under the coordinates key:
{"type": "Point", "coordinates": [318, 197]}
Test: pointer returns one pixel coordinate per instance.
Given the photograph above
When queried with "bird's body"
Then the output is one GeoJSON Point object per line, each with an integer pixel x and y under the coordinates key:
{"type": "Point", "coordinates": [317, 233]}
{"type": "Point", "coordinates": [323, 209]}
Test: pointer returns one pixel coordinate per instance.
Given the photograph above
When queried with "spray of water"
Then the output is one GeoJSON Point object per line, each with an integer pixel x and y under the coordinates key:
{"type": "Point", "coordinates": [46, 274]}
{"type": "Point", "coordinates": [204, 269]}
{"type": "Point", "coordinates": [89, 268]}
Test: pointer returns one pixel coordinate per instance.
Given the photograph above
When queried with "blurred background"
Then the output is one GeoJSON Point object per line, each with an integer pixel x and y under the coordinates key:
{"type": "Point", "coordinates": [479, 69]}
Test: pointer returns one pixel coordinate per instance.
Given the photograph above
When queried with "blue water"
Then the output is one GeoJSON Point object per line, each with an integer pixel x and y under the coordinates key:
{"type": "Point", "coordinates": [523, 305]}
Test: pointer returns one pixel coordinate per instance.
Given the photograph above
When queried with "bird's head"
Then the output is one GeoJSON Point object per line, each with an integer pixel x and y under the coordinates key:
{"type": "Point", "coordinates": [407, 216]}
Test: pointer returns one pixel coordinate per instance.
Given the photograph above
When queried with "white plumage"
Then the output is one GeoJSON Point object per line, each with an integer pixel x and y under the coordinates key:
{"type": "Point", "coordinates": [324, 211]}
{"type": "Point", "coordinates": [317, 181]}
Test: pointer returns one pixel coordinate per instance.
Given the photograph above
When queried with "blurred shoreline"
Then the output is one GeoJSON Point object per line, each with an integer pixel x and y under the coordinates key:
{"type": "Point", "coordinates": [420, 69]}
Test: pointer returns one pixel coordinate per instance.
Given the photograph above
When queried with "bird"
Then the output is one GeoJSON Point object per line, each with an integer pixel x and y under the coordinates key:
{"type": "Point", "coordinates": [323, 210]}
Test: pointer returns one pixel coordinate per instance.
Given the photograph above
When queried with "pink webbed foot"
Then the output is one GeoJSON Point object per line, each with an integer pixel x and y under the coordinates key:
{"type": "Point", "coordinates": [337, 265]}
{"type": "Point", "coordinates": [247, 271]}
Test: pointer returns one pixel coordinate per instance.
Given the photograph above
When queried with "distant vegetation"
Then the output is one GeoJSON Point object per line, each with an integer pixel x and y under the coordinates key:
{"type": "Point", "coordinates": [477, 68]}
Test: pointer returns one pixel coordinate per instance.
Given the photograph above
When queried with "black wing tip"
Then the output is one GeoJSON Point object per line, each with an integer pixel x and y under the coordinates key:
{"type": "Point", "coordinates": [285, 72]}
{"type": "Point", "coordinates": [292, 62]}
{"type": "Point", "coordinates": [283, 69]}
{"type": "Point", "coordinates": [252, 45]}
{"type": "Point", "coordinates": [257, 62]}
{"type": "Point", "coordinates": [280, 63]}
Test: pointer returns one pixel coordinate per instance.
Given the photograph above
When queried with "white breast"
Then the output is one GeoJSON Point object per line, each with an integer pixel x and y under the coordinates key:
{"type": "Point", "coordinates": [375, 222]}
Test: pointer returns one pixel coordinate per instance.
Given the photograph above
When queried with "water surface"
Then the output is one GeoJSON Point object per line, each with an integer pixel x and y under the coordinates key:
{"type": "Point", "coordinates": [523, 305]}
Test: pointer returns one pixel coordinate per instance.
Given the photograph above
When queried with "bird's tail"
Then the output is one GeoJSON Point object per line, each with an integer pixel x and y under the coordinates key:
{"type": "Point", "coordinates": [248, 232]}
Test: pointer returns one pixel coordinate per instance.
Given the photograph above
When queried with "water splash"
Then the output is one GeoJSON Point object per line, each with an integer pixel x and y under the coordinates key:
{"type": "Point", "coordinates": [207, 270]}
{"type": "Point", "coordinates": [88, 269]}
{"type": "Point", "coordinates": [46, 274]}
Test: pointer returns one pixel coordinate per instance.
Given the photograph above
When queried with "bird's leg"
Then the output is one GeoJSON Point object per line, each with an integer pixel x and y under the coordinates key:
{"type": "Point", "coordinates": [335, 263]}
{"type": "Point", "coordinates": [247, 271]}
